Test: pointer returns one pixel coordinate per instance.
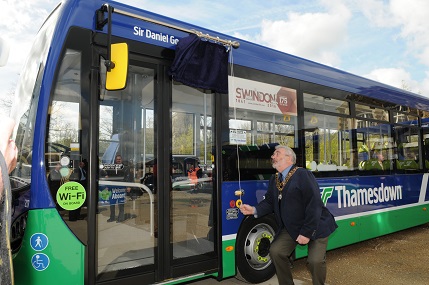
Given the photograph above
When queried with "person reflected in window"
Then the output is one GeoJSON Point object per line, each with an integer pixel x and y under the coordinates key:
{"type": "Point", "coordinates": [382, 163]}
{"type": "Point", "coordinates": [54, 180]}
{"type": "Point", "coordinates": [122, 173]}
{"type": "Point", "coordinates": [193, 175]}
{"type": "Point", "coordinates": [80, 175]}
{"type": "Point", "coordinates": [380, 160]}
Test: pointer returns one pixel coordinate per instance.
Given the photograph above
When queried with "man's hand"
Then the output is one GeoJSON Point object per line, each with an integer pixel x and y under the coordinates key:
{"type": "Point", "coordinates": [302, 239]}
{"type": "Point", "coordinates": [247, 209]}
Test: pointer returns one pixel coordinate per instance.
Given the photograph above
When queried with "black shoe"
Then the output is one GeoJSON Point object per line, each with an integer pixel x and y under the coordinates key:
{"type": "Point", "coordinates": [120, 220]}
{"type": "Point", "coordinates": [111, 220]}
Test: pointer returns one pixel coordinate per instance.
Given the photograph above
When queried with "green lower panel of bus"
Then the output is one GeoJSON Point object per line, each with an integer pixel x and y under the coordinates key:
{"type": "Point", "coordinates": [228, 258]}
{"type": "Point", "coordinates": [50, 252]}
{"type": "Point", "coordinates": [362, 228]}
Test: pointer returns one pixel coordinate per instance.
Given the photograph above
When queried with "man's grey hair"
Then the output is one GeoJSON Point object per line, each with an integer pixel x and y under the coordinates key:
{"type": "Point", "coordinates": [289, 151]}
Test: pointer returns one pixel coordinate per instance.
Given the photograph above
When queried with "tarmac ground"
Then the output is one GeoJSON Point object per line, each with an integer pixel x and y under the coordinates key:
{"type": "Point", "coordinates": [401, 258]}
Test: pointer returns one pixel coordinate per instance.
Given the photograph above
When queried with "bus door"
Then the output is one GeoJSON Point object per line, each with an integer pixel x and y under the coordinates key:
{"type": "Point", "coordinates": [153, 224]}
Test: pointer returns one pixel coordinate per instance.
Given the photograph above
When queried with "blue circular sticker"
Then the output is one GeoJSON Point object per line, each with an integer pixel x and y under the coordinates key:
{"type": "Point", "coordinates": [39, 241]}
{"type": "Point", "coordinates": [40, 261]}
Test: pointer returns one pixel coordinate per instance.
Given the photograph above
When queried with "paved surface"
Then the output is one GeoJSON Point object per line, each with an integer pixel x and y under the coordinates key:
{"type": "Point", "coordinates": [233, 281]}
{"type": "Point", "coordinates": [401, 258]}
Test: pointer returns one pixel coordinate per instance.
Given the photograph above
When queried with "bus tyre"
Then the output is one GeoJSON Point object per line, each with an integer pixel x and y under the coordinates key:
{"type": "Point", "coordinates": [254, 238]}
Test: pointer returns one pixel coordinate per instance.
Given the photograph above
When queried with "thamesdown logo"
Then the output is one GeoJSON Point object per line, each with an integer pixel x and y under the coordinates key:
{"type": "Point", "coordinates": [326, 194]}
{"type": "Point", "coordinates": [363, 196]}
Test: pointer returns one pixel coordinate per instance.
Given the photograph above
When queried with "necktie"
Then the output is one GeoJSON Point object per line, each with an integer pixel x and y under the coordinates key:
{"type": "Point", "coordinates": [280, 186]}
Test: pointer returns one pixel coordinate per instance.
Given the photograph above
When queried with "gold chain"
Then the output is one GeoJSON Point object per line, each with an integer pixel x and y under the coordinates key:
{"type": "Point", "coordinates": [281, 185]}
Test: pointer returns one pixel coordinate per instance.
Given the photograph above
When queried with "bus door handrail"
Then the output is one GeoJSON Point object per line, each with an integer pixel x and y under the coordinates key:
{"type": "Point", "coordinates": [138, 185]}
{"type": "Point", "coordinates": [188, 181]}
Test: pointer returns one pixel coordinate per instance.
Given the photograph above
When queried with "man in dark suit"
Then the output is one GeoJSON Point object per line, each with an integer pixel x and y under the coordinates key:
{"type": "Point", "coordinates": [54, 179]}
{"type": "Point", "coordinates": [294, 197]}
{"type": "Point", "coordinates": [79, 175]}
{"type": "Point", "coordinates": [121, 172]}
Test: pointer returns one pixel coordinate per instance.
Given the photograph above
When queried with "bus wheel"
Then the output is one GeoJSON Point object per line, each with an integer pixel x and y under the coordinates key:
{"type": "Point", "coordinates": [253, 261]}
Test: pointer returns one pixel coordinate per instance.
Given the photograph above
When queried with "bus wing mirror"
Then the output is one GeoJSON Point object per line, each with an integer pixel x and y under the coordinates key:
{"type": "Point", "coordinates": [116, 78]}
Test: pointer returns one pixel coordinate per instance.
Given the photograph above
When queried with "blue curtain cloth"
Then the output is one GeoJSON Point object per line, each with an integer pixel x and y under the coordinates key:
{"type": "Point", "coordinates": [200, 63]}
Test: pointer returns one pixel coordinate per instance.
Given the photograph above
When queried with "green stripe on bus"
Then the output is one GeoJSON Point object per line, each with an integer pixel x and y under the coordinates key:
{"type": "Point", "coordinates": [362, 228]}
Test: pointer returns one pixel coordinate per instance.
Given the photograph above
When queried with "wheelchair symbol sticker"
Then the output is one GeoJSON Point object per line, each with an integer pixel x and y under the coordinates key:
{"type": "Point", "coordinates": [39, 241]}
{"type": "Point", "coordinates": [40, 261]}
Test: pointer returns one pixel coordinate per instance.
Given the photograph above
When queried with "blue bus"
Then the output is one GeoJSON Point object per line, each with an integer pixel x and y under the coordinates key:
{"type": "Point", "coordinates": [80, 218]}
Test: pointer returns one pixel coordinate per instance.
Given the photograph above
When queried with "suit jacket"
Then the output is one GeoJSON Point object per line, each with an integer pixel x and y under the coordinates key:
{"type": "Point", "coordinates": [302, 211]}
{"type": "Point", "coordinates": [77, 176]}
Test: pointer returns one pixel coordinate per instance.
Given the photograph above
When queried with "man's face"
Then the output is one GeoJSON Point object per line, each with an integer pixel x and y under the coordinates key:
{"type": "Point", "coordinates": [118, 160]}
{"type": "Point", "coordinates": [280, 160]}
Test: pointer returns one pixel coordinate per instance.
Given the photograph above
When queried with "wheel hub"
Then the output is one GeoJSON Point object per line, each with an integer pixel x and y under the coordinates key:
{"type": "Point", "coordinates": [258, 246]}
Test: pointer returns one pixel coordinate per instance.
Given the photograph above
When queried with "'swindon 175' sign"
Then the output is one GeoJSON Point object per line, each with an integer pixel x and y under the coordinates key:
{"type": "Point", "coordinates": [254, 95]}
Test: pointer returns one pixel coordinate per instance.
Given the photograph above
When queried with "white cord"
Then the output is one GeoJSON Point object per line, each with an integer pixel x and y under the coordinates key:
{"type": "Point", "coordinates": [231, 62]}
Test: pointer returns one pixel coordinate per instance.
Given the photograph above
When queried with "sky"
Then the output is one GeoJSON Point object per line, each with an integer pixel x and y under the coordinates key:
{"type": "Point", "coordinates": [387, 41]}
